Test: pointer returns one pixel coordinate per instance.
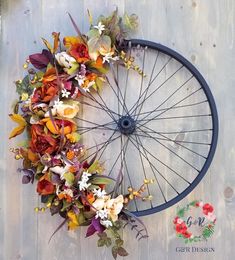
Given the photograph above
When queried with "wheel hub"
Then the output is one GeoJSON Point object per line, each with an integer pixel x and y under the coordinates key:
{"type": "Point", "coordinates": [126, 125]}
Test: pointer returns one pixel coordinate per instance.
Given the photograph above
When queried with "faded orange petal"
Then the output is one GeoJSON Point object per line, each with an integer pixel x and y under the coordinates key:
{"type": "Point", "coordinates": [49, 75]}
{"type": "Point", "coordinates": [16, 131]}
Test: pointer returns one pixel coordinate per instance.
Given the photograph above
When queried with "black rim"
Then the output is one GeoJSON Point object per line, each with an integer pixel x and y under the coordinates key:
{"type": "Point", "coordinates": [126, 126]}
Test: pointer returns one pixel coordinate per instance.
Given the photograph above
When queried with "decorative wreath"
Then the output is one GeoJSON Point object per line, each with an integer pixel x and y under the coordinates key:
{"type": "Point", "coordinates": [181, 225]}
{"type": "Point", "coordinates": [53, 154]}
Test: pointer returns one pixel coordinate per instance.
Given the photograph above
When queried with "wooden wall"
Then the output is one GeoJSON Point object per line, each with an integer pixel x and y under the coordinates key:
{"type": "Point", "coordinates": [204, 32]}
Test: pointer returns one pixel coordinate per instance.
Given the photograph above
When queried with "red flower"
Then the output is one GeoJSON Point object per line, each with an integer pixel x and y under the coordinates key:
{"type": "Point", "coordinates": [207, 208]}
{"type": "Point", "coordinates": [197, 204]}
{"type": "Point", "coordinates": [175, 220]}
{"type": "Point", "coordinates": [41, 142]}
{"type": "Point", "coordinates": [186, 234]}
{"type": "Point", "coordinates": [45, 187]}
{"type": "Point", "coordinates": [181, 228]}
{"type": "Point", "coordinates": [80, 52]}
{"type": "Point", "coordinates": [45, 93]}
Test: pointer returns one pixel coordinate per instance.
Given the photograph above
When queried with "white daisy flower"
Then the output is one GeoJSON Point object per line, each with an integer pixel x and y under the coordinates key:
{"type": "Point", "coordinates": [100, 27]}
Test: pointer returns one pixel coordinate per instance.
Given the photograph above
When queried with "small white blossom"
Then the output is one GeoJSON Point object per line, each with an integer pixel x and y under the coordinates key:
{"type": "Point", "coordinates": [65, 93]}
{"type": "Point", "coordinates": [108, 57]}
{"type": "Point", "coordinates": [99, 193]}
{"type": "Point", "coordinates": [86, 175]}
{"type": "Point", "coordinates": [57, 103]}
{"type": "Point", "coordinates": [100, 27]}
{"type": "Point", "coordinates": [80, 79]}
{"type": "Point", "coordinates": [83, 185]}
{"type": "Point", "coordinates": [107, 223]}
{"type": "Point", "coordinates": [102, 213]}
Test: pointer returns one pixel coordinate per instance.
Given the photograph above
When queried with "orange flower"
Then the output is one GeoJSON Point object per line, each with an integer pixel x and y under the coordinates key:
{"type": "Point", "coordinates": [42, 134]}
{"type": "Point", "coordinates": [89, 198]}
{"type": "Point", "coordinates": [70, 154]}
{"type": "Point", "coordinates": [45, 93]}
{"type": "Point", "coordinates": [41, 142]}
{"type": "Point", "coordinates": [65, 196]}
{"type": "Point", "coordinates": [77, 49]}
{"type": "Point", "coordinates": [45, 187]}
{"type": "Point", "coordinates": [59, 126]}
{"type": "Point", "coordinates": [49, 89]}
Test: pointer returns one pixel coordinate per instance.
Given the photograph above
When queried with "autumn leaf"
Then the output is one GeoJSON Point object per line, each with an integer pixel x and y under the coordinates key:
{"type": "Point", "coordinates": [21, 125]}
{"type": "Point", "coordinates": [48, 45]}
{"type": "Point", "coordinates": [56, 37]}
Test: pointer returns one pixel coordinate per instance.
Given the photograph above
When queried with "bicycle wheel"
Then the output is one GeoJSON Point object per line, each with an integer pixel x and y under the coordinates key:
{"type": "Point", "coordinates": [162, 126]}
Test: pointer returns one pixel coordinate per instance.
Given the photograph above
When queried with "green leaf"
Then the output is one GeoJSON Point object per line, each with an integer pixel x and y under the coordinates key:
{"type": "Point", "coordinates": [40, 168]}
{"type": "Point", "coordinates": [93, 33]}
{"type": "Point", "coordinates": [108, 242]}
{"type": "Point", "coordinates": [99, 83]}
{"type": "Point", "coordinates": [65, 205]}
{"type": "Point", "coordinates": [69, 177]}
{"type": "Point", "coordinates": [119, 242]}
{"type": "Point", "coordinates": [24, 86]}
{"type": "Point", "coordinates": [122, 251]}
{"type": "Point", "coordinates": [130, 22]}
{"type": "Point", "coordinates": [181, 212]}
{"type": "Point", "coordinates": [79, 204]}
{"type": "Point", "coordinates": [92, 187]}
{"type": "Point", "coordinates": [96, 43]}
{"type": "Point", "coordinates": [101, 180]}
{"type": "Point", "coordinates": [100, 242]}
{"type": "Point", "coordinates": [115, 252]}
{"type": "Point", "coordinates": [102, 235]}
{"type": "Point", "coordinates": [95, 167]}
{"type": "Point", "coordinates": [193, 203]}
{"type": "Point", "coordinates": [81, 218]}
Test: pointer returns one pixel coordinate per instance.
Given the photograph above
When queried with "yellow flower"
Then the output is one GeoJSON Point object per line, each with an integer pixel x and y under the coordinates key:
{"type": "Point", "coordinates": [73, 220]}
{"type": "Point", "coordinates": [73, 137]}
{"type": "Point", "coordinates": [24, 96]}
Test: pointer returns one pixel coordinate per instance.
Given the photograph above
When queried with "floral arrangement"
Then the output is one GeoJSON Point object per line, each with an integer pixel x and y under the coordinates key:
{"type": "Point", "coordinates": [208, 219]}
{"type": "Point", "coordinates": [53, 154]}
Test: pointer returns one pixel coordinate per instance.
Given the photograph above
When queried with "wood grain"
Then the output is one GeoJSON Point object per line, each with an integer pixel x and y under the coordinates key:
{"type": "Point", "coordinates": [203, 32]}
